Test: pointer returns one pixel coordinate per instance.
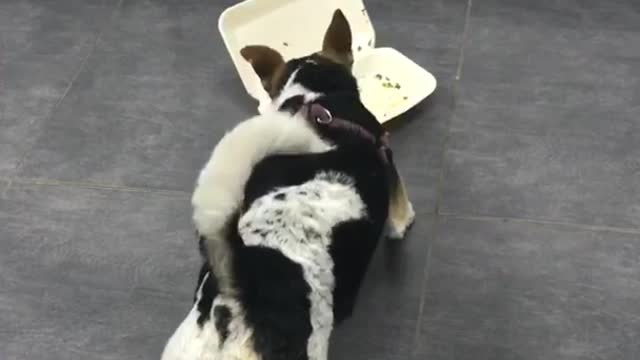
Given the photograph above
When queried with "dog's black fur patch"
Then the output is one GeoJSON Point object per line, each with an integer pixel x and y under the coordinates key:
{"type": "Point", "coordinates": [222, 314]}
{"type": "Point", "coordinates": [209, 292]}
{"type": "Point", "coordinates": [320, 75]}
{"type": "Point", "coordinates": [274, 295]}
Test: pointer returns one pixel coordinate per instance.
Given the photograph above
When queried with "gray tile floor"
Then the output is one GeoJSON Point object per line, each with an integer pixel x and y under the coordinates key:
{"type": "Point", "coordinates": [524, 167]}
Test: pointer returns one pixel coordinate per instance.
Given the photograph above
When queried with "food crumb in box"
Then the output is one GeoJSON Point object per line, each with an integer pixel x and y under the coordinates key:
{"type": "Point", "coordinates": [359, 48]}
{"type": "Point", "coordinates": [285, 43]}
{"type": "Point", "coordinates": [381, 95]}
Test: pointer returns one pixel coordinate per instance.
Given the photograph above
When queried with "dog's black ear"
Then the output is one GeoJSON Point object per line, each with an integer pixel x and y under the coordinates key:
{"type": "Point", "coordinates": [266, 62]}
{"type": "Point", "coordinates": [337, 39]}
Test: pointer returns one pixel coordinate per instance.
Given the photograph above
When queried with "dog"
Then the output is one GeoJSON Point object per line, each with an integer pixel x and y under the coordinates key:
{"type": "Point", "coordinates": [288, 211]}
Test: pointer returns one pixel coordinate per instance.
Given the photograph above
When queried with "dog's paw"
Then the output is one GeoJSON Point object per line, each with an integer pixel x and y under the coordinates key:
{"type": "Point", "coordinates": [397, 227]}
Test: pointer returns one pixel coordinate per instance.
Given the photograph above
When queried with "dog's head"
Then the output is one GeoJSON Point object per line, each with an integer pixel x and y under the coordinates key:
{"type": "Point", "coordinates": [327, 73]}
{"type": "Point", "coordinates": [323, 72]}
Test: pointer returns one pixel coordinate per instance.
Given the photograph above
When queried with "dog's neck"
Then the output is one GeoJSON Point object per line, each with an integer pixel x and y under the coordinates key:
{"type": "Point", "coordinates": [293, 89]}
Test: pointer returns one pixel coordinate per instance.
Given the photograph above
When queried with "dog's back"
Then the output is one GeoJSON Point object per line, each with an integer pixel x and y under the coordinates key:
{"type": "Point", "coordinates": [297, 250]}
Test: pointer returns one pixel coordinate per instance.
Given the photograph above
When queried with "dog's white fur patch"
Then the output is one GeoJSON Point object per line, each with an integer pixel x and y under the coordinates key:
{"type": "Point", "coordinates": [298, 221]}
{"type": "Point", "coordinates": [291, 89]}
{"type": "Point", "coordinates": [220, 187]}
{"type": "Point", "coordinates": [191, 341]}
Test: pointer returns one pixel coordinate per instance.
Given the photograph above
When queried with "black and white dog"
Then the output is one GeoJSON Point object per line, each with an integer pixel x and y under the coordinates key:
{"type": "Point", "coordinates": [289, 210]}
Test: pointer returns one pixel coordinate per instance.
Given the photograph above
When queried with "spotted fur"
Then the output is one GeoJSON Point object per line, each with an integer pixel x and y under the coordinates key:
{"type": "Point", "coordinates": [298, 222]}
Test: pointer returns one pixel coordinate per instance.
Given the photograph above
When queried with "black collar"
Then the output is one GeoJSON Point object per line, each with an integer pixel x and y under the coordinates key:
{"type": "Point", "coordinates": [318, 117]}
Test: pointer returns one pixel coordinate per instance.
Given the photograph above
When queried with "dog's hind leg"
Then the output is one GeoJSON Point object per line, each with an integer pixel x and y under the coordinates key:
{"type": "Point", "coordinates": [401, 213]}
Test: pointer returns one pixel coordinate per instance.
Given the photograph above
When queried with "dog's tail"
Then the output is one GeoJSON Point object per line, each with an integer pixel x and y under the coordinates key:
{"type": "Point", "coordinates": [218, 253]}
{"type": "Point", "coordinates": [220, 188]}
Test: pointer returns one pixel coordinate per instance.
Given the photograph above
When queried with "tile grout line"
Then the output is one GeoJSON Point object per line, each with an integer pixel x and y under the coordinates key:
{"type": "Point", "coordinates": [423, 291]}
{"type": "Point", "coordinates": [455, 89]}
{"type": "Point", "coordinates": [586, 227]}
{"type": "Point", "coordinates": [465, 31]}
{"type": "Point", "coordinates": [74, 77]}
{"type": "Point", "coordinates": [440, 183]}
{"type": "Point", "coordinates": [91, 185]}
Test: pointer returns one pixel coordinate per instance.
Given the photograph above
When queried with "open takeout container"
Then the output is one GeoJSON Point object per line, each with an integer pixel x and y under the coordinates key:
{"type": "Point", "coordinates": [389, 82]}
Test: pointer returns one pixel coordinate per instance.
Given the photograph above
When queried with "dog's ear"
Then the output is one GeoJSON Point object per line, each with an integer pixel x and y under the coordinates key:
{"type": "Point", "coordinates": [401, 213]}
{"type": "Point", "coordinates": [266, 62]}
{"type": "Point", "coordinates": [337, 39]}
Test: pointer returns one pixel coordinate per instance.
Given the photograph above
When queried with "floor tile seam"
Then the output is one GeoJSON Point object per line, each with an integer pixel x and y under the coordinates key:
{"type": "Point", "coordinates": [463, 39]}
{"type": "Point", "coordinates": [10, 182]}
{"type": "Point", "coordinates": [548, 222]}
{"type": "Point", "coordinates": [439, 186]}
{"type": "Point", "coordinates": [454, 101]}
{"type": "Point", "coordinates": [423, 290]}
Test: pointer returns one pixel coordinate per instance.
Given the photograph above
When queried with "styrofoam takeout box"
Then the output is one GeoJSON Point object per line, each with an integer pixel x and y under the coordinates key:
{"type": "Point", "coordinates": [389, 82]}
